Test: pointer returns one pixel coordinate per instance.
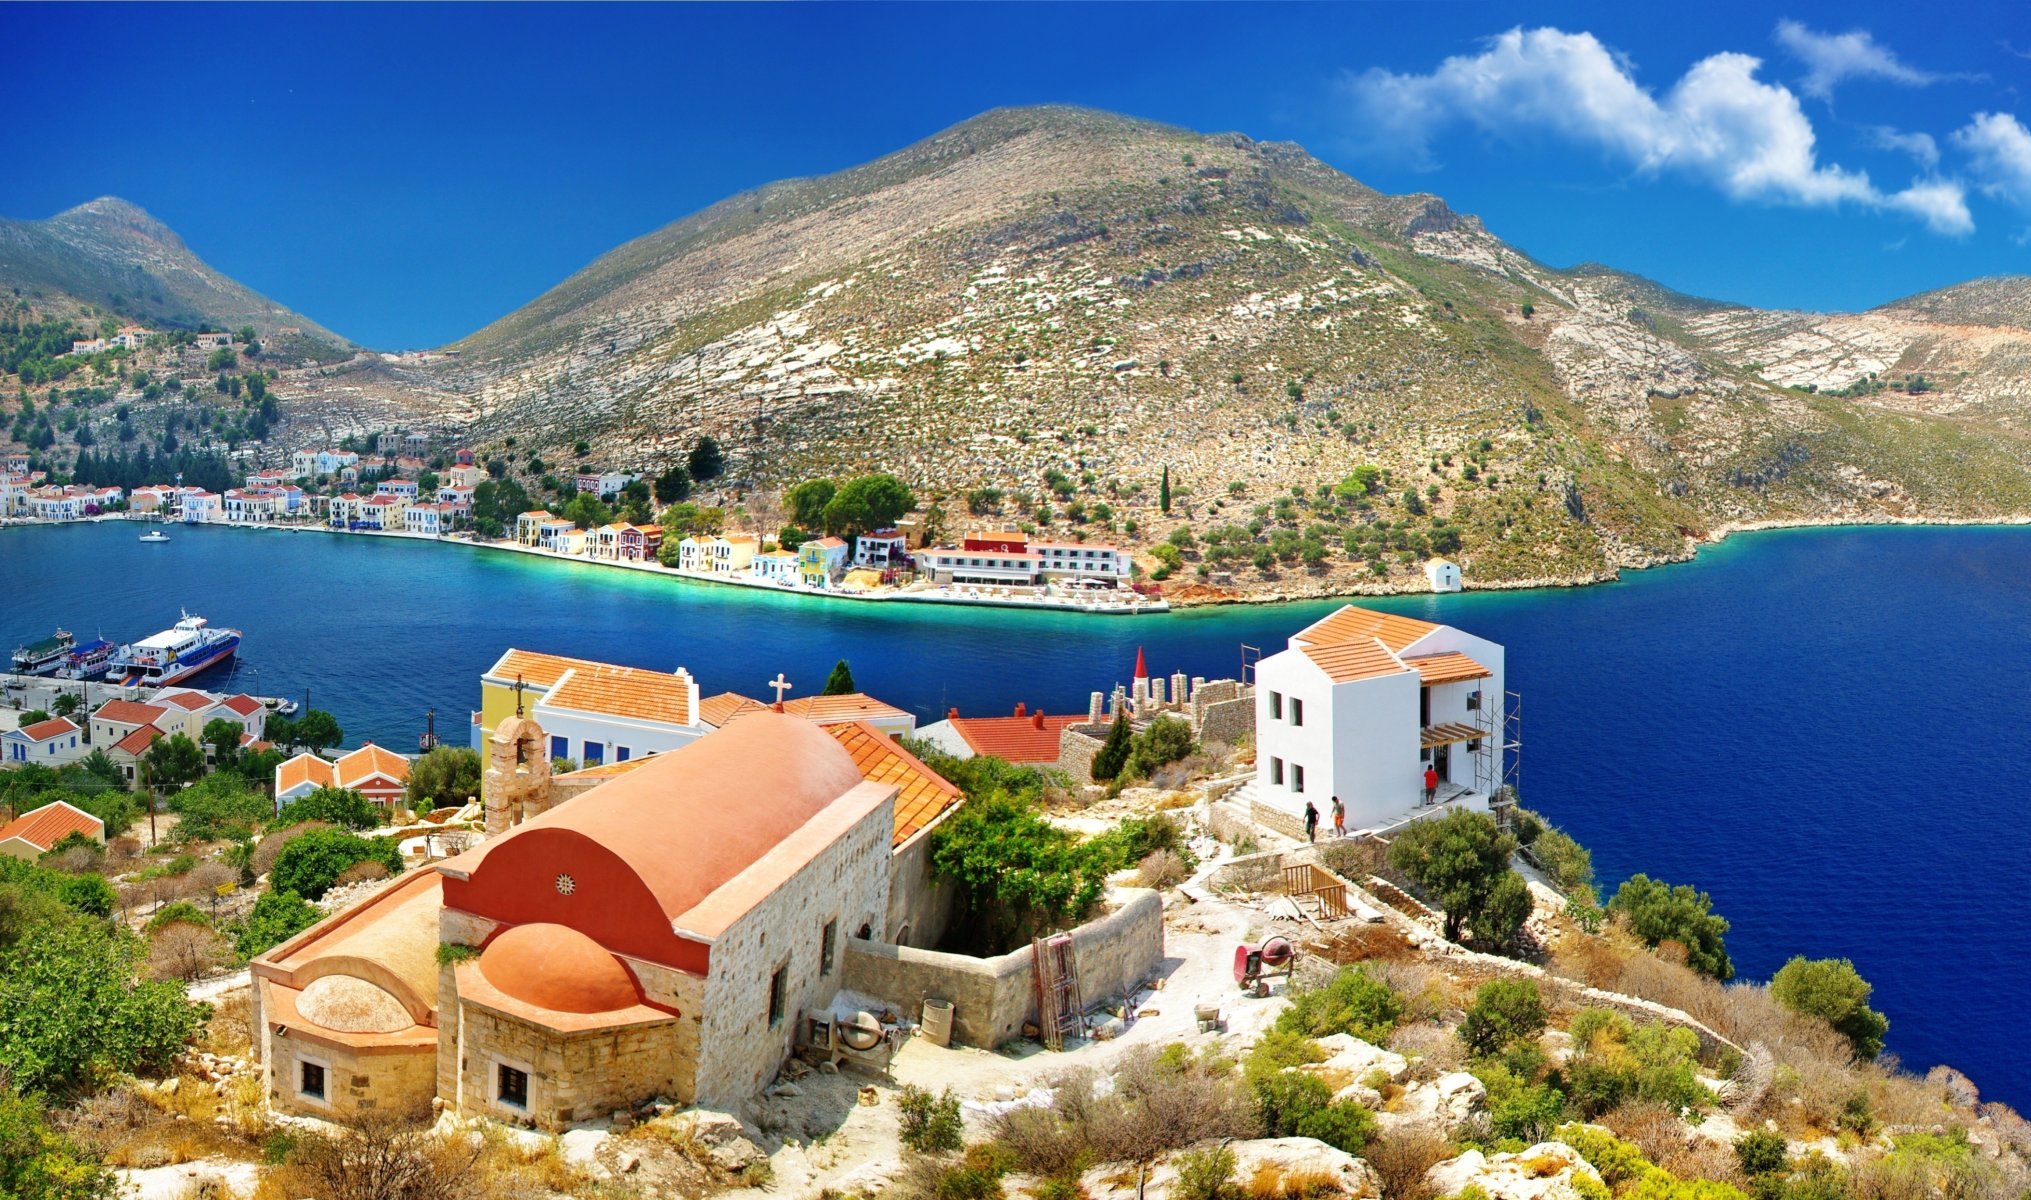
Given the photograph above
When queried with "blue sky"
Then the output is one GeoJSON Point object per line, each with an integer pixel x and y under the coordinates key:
{"type": "Point", "coordinates": [405, 174]}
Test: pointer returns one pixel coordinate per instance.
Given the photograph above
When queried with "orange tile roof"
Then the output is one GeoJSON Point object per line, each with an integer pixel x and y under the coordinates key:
{"type": "Point", "coordinates": [921, 795]}
{"type": "Point", "coordinates": [128, 712]}
{"type": "Point", "coordinates": [718, 710]}
{"type": "Point", "coordinates": [139, 740]}
{"type": "Point", "coordinates": [1393, 631]}
{"type": "Point", "coordinates": [304, 768]}
{"type": "Point", "coordinates": [1356, 658]}
{"type": "Point", "coordinates": [42, 731]}
{"type": "Point", "coordinates": [52, 823]}
{"type": "Point", "coordinates": [1015, 739]}
{"type": "Point", "coordinates": [242, 704]}
{"type": "Point", "coordinates": [367, 761]}
{"type": "Point", "coordinates": [623, 692]}
{"type": "Point", "coordinates": [187, 701]}
{"type": "Point", "coordinates": [854, 706]}
{"type": "Point", "coordinates": [1450, 667]}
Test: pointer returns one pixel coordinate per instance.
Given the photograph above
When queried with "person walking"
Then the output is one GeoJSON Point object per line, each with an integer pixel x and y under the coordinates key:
{"type": "Point", "coordinates": [1311, 822]}
{"type": "Point", "coordinates": [1431, 784]}
{"type": "Point", "coordinates": [1339, 818]}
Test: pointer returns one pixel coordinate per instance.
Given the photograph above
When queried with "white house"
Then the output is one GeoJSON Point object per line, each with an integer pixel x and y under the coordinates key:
{"type": "Point", "coordinates": [732, 552]}
{"type": "Point", "coordinates": [1080, 560]}
{"type": "Point", "coordinates": [880, 549]}
{"type": "Point", "coordinates": [593, 712]}
{"type": "Point", "coordinates": [694, 553]}
{"type": "Point", "coordinates": [201, 506]}
{"type": "Point", "coordinates": [1443, 574]}
{"type": "Point", "coordinates": [1360, 705]}
{"type": "Point", "coordinates": [52, 743]}
{"type": "Point", "coordinates": [402, 488]}
{"type": "Point", "coordinates": [308, 464]}
{"type": "Point", "coordinates": [604, 484]}
{"type": "Point", "coordinates": [433, 519]}
{"type": "Point", "coordinates": [775, 566]}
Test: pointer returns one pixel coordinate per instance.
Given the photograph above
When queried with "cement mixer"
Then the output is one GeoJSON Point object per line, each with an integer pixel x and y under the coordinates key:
{"type": "Point", "coordinates": [1255, 966]}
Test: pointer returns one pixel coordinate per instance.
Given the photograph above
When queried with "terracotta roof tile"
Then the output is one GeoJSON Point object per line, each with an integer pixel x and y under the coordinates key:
{"type": "Point", "coordinates": [188, 701]}
{"type": "Point", "coordinates": [242, 704]}
{"type": "Point", "coordinates": [1391, 630]}
{"type": "Point", "coordinates": [854, 706]}
{"type": "Point", "coordinates": [718, 710]}
{"type": "Point", "coordinates": [304, 768]}
{"type": "Point", "coordinates": [1356, 658]}
{"type": "Point", "coordinates": [50, 824]}
{"type": "Point", "coordinates": [1451, 667]}
{"type": "Point", "coordinates": [139, 740]}
{"type": "Point", "coordinates": [921, 795]}
{"type": "Point", "coordinates": [129, 712]}
{"type": "Point", "coordinates": [367, 761]}
{"type": "Point", "coordinates": [1026, 739]}
{"type": "Point", "coordinates": [612, 770]}
{"type": "Point", "coordinates": [42, 731]}
{"type": "Point", "coordinates": [623, 692]}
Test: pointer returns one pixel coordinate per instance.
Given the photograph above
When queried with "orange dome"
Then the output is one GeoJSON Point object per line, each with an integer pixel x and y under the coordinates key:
{"type": "Point", "coordinates": [558, 968]}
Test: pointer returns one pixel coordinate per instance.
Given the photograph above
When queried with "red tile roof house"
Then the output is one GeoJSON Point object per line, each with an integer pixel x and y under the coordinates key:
{"type": "Point", "coordinates": [1031, 738]}
{"type": "Point", "coordinates": [51, 743]}
{"type": "Point", "coordinates": [31, 835]}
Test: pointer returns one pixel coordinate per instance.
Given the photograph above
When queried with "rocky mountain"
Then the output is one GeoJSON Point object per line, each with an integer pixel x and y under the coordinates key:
{"type": "Point", "coordinates": [110, 256]}
{"type": "Point", "coordinates": [1046, 295]}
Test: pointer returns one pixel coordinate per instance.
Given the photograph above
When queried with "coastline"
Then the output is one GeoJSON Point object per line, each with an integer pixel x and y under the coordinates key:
{"type": "Point", "coordinates": [1166, 604]}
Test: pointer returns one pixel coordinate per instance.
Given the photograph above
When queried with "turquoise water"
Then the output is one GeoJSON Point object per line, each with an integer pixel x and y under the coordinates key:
{"type": "Point", "coordinates": [1819, 727]}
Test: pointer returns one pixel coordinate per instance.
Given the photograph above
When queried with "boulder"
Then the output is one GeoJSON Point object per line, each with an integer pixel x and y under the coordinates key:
{"type": "Point", "coordinates": [1281, 1166]}
{"type": "Point", "coordinates": [581, 1147]}
{"type": "Point", "coordinates": [1546, 1171]}
{"type": "Point", "coordinates": [1349, 1060]}
{"type": "Point", "coordinates": [1442, 1103]}
{"type": "Point", "coordinates": [730, 1144]}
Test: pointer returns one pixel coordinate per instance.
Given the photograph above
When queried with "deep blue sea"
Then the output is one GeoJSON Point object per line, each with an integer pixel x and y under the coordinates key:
{"type": "Point", "coordinates": [1816, 726]}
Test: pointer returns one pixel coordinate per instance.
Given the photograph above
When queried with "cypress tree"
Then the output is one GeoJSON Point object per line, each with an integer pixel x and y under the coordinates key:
{"type": "Point", "coordinates": [1164, 491]}
{"type": "Point", "coordinates": [840, 682]}
{"type": "Point", "coordinates": [1113, 754]}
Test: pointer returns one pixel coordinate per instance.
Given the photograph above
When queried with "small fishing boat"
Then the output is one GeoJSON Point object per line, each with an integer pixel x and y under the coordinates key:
{"type": "Point", "coordinates": [155, 535]}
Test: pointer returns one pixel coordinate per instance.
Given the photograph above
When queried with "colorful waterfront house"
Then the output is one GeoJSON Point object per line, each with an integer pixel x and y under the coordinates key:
{"type": "Point", "coordinates": [777, 566]}
{"type": "Point", "coordinates": [343, 509]}
{"type": "Point", "coordinates": [127, 751]}
{"type": "Point", "coordinates": [34, 833]}
{"type": "Point", "coordinates": [403, 488]}
{"type": "Point", "coordinates": [15, 463]}
{"type": "Point", "coordinates": [115, 719]}
{"type": "Point", "coordinates": [290, 500]}
{"type": "Point", "coordinates": [382, 512]}
{"type": "Point", "coordinates": [820, 562]}
{"type": "Point", "coordinates": [458, 496]}
{"type": "Point", "coordinates": [732, 552]}
{"type": "Point", "coordinates": [198, 507]}
{"type": "Point", "coordinates": [694, 553]}
{"type": "Point", "coordinates": [152, 499]}
{"type": "Point", "coordinates": [1081, 560]}
{"type": "Point", "coordinates": [432, 519]}
{"type": "Point", "coordinates": [639, 543]}
{"type": "Point", "coordinates": [249, 504]}
{"type": "Point", "coordinates": [309, 464]}
{"type": "Point", "coordinates": [464, 472]}
{"type": "Point", "coordinates": [273, 477]}
{"type": "Point", "coordinates": [881, 549]}
{"type": "Point", "coordinates": [606, 540]}
{"type": "Point", "coordinates": [557, 534]}
{"type": "Point", "coordinates": [985, 567]}
{"type": "Point", "coordinates": [52, 743]}
{"type": "Point", "coordinates": [1360, 705]}
{"type": "Point", "coordinates": [592, 712]}
{"type": "Point", "coordinates": [528, 526]}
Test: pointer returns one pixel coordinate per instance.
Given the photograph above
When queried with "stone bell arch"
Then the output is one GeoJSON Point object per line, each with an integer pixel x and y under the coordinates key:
{"type": "Point", "coordinates": [517, 783]}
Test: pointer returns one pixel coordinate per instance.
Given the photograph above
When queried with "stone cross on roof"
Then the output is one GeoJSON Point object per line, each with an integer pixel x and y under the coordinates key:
{"type": "Point", "coordinates": [781, 685]}
{"type": "Point", "coordinates": [520, 687]}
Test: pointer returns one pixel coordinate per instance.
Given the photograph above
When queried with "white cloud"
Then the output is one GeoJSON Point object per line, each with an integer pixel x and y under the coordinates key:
{"type": "Point", "coordinates": [1720, 123]}
{"type": "Point", "coordinates": [2001, 149]}
{"type": "Point", "coordinates": [1832, 57]}
{"type": "Point", "coordinates": [1919, 146]}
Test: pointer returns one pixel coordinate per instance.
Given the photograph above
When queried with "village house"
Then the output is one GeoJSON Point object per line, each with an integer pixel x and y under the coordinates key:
{"type": "Point", "coordinates": [528, 525]}
{"type": "Point", "coordinates": [1026, 736]}
{"type": "Point", "coordinates": [557, 534]}
{"type": "Point", "coordinates": [249, 505]}
{"type": "Point", "coordinates": [820, 562]}
{"type": "Point", "coordinates": [1081, 560]}
{"type": "Point", "coordinates": [88, 345]}
{"type": "Point", "coordinates": [1443, 575]}
{"type": "Point", "coordinates": [382, 512]}
{"type": "Point", "coordinates": [595, 712]}
{"type": "Point", "coordinates": [431, 519]}
{"type": "Point", "coordinates": [458, 497]}
{"type": "Point", "coordinates": [379, 774]}
{"type": "Point", "coordinates": [14, 463]}
{"type": "Point", "coordinates": [212, 341]}
{"type": "Point", "coordinates": [992, 558]}
{"type": "Point", "coordinates": [33, 834]}
{"type": "Point", "coordinates": [882, 549]}
{"type": "Point", "coordinates": [310, 464]}
{"type": "Point", "coordinates": [115, 719]}
{"type": "Point", "coordinates": [694, 553]}
{"type": "Point", "coordinates": [639, 543]}
{"type": "Point", "coordinates": [778, 566]}
{"type": "Point", "coordinates": [732, 552]}
{"type": "Point", "coordinates": [154, 498]}
{"type": "Point", "coordinates": [271, 478]}
{"type": "Point", "coordinates": [131, 337]}
{"type": "Point", "coordinates": [604, 484]}
{"type": "Point", "coordinates": [52, 743]}
{"type": "Point", "coordinates": [464, 472]}
{"type": "Point", "coordinates": [721, 710]}
{"type": "Point", "coordinates": [1361, 704]}
{"type": "Point", "coordinates": [404, 489]}
{"type": "Point", "coordinates": [200, 507]}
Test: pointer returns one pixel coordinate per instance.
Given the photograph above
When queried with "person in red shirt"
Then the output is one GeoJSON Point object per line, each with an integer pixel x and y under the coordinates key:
{"type": "Point", "coordinates": [1431, 784]}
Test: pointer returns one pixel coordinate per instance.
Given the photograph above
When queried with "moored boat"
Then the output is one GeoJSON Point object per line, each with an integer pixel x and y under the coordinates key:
{"type": "Point", "coordinates": [175, 654]}
{"type": "Point", "coordinates": [45, 656]}
{"type": "Point", "coordinates": [155, 535]}
{"type": "Point", "coordinates": [88, 661]}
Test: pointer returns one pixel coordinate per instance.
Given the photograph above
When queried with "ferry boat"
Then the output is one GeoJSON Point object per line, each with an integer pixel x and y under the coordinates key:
{"type": "Point", "coordinates": [176, 653]}
{"type": "Point", "coordinates": [88, 661]}
{"type": "Point", "coordinates": [45, 656]}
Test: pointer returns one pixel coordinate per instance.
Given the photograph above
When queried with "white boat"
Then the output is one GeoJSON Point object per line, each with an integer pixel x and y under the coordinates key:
{"type": "Point", "coordinates": [155, 535]}
{"type": "Point", "coordinates": [176, 653]}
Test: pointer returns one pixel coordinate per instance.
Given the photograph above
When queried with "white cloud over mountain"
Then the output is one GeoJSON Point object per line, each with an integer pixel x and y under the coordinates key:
{"type": "Point", "coordinates": [1831, 58]}
{"type": "Point", "coordinates": [2001, 149]}
{"type": "Point", "coordinates": [1719, 123]}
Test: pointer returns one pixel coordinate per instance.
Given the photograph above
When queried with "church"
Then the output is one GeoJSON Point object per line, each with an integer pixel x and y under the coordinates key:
{"type": "Point", "coordinates": [621, 934]}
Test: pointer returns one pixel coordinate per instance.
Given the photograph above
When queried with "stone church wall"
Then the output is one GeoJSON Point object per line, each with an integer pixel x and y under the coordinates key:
{"type": "Point", "coordinates": [848, 881]}
{"type": "Point", "coordinates": [921, 905]}
{"type": "Point", "coordinates": [572, 1077]}
{"type": "Point", "coordinates": [399, 1082]}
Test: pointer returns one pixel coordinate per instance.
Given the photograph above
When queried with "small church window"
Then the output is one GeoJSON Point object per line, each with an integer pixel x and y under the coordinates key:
{"type": "Point", "coordinates": [566, 884]}
{"type": "Point", "coordinates": [779, 989]}
{"type": "Point", "coordinates": [312, 1080]}
{"type": "Point", "coordinates": [513, 1086]}
{"type": "Point", "coordinates": [825, 943]}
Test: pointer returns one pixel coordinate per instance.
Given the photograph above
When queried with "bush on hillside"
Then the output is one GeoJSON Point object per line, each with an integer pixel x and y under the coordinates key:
{"type": "Point", "coordinates": [447, 776]}
{"type": "Point", "coordinates": [1505, 1012]}
{"type": "Point", "coordinates": [334, 806]}
{"type": "Point", "coordinates": [1462, 861]}
{"type": "Point", "coordinates": [1658, 912]}
{"type": "Point", "coordinates": [276, 917]}
{"type": "Point", "coordinates": [311, 864]}
{"type": "Point", "coordinates": [219, 807]}
{"type": "Point", "coordinates": [1354, 1002]}
{"type": "Point", "coordinates": [1616, 1061]}
{"type": "Point", "coordinates": [1018, 874]}
{"type": "Point", "coordinates": [1833, 991]}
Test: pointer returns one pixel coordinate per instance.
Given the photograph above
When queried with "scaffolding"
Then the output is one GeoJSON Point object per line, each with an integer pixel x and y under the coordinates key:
{"type": "Point", "coordinates": [1498, 775]}
{"type": "Point", "coordinates": [1060, 1009]}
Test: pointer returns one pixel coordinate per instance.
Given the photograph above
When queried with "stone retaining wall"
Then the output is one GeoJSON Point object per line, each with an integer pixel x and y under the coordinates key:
{"type": "Point", "coordinates": [992, 997]}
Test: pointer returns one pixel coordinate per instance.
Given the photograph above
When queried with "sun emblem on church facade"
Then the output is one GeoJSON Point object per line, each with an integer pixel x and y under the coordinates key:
{"type": "Point", "coordinates": [566, 885]}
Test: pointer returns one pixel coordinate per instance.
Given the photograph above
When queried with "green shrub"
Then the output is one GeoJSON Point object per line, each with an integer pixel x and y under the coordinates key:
{"type": "Point", "coordinates": [1762, 1152]}
{"type": "Point", "coordinates": [275, 918]}
{"type": "Point", "coordinates": [1206, 1174]}
{"type": "Point", "coordinates": [1284, 1099]}
{"type": "Point", "coordinates": [1831, 990]}
{"type": "Point", "coordinates": [182, 910]}
{"type": "Point", "coordinates": [342, 807]}
{"type": "Point", "coordinates": [1018, 874]}
{"type": "Point", "coordinates": [1353, 1002]}
{"type": "Point", "coordinates": [1343, 1125]}
{"type": "Point", "coordinates": [1277, 1049]}
{"type": "Point", "coordinates": [309, 864]}
{"type": "Point", "coordinates": [1505, 1012]}
{"type": "Point", "coordinates": [930, 1124]}
{"type": "Point", "coordinates": [1462, 861]}
{"type": "Point", "coordinates": [39, 1163]}
{"type": "Point", "coordinates": [1164, 741]}
{"type": "Point", "coordinates": [1658, 912]}
{"type": "Point", "coordinates": [1615, 1061]}
{"type": "Point", "coordinates": [88, 894]}
{"type": "Point", "coordinates": [218, 807]}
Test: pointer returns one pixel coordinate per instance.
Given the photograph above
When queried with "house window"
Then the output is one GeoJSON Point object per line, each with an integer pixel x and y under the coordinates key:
{"type": "Point", "coordinates": [511, 1085]}
{"type": "Point", "coordinates": [1297, 711]}
{"type": "Point", "coordinates": [826, 940]}
{"type": "Point", "coordinates": [1276, 771]}
{"type": "Point", "coordinates": [1297, 778]}
{"type": "Point", "coordinates": [779, 989]}
{"type": "Point", "coordinates": [310, 1079]}
{"type": "Point", "coordinates": [595, 753]}
{"type": "Point", "coordinates": [1474, 701]}
{"type": "Point", "coordinates": [560, 747]}
{"type": "Point", "coordinates": [1276, 706]}
{"type": "Point", "coordinates": [620, 754]}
